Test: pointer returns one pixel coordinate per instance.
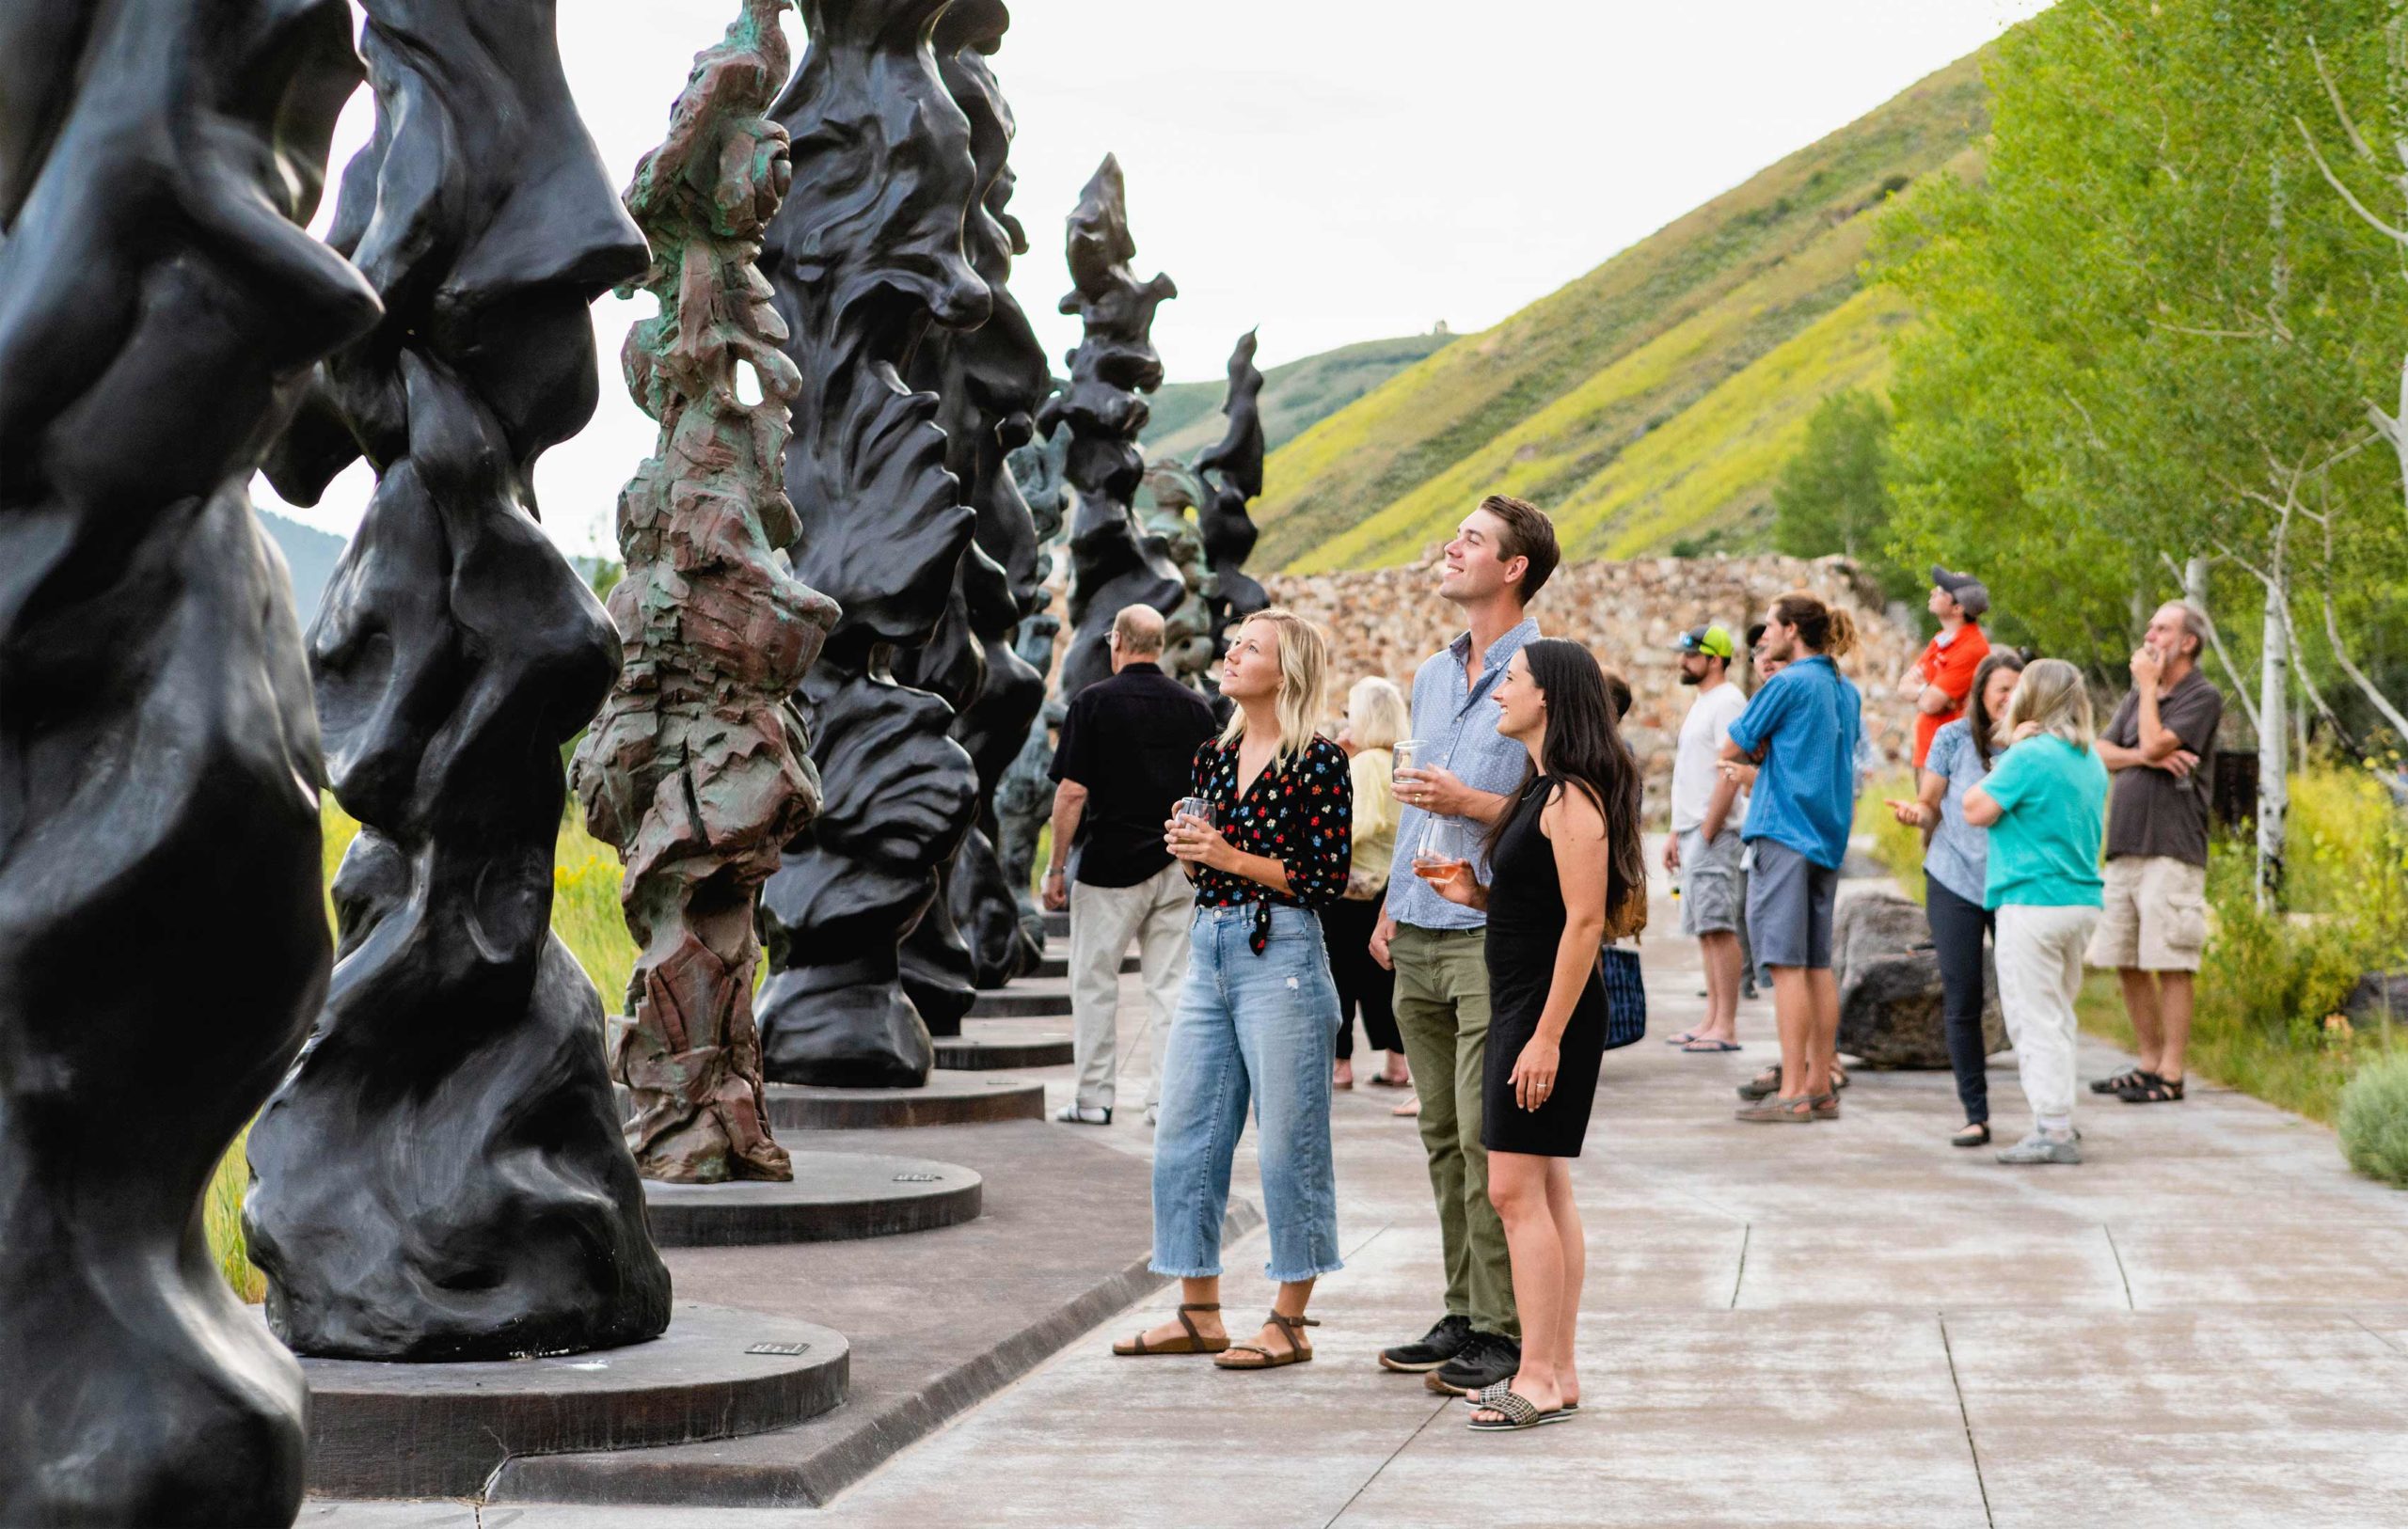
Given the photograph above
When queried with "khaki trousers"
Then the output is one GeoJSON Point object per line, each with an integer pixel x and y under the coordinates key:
{"type": "Point", "coordinates": [1442, 1013]}
{"type": "Point", "coordinates": [1104, 920]}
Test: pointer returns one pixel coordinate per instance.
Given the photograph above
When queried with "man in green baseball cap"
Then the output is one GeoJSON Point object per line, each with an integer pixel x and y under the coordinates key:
{"type": "Point", "coordinates": [1704, 848]}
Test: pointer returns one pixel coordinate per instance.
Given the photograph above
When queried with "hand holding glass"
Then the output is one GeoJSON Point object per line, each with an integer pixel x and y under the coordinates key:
{"type": "Point", "coordinates": [1199, 808]}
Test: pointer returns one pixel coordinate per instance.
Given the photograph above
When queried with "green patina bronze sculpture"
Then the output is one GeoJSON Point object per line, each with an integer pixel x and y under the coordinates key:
{"type": "Point", "coordinates": [697, 768]}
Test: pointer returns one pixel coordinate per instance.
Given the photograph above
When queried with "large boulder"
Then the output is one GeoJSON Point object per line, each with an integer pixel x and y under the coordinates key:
{"type": "Point", "coordinates": [1890, 1008]}
{"type": "Point", "coordinates": [2377, 996]}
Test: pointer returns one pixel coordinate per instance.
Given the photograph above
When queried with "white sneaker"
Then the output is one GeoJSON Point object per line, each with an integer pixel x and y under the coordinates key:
{"type": "Point", "coordinates": [1084, 1114]}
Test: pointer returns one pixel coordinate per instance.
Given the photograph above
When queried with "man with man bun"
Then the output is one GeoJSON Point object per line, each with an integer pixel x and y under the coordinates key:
{"type": "Point", "coordinates": [1801, 729]}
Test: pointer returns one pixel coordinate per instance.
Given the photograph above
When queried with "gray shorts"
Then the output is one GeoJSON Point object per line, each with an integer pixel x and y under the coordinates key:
{"type": "Point", "coordinates": [1789, 907]}
{"type": "Point", "coordinates": [1710, 883]}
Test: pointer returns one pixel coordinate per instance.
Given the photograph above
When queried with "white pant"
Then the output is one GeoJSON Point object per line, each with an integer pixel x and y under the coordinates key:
{"type": "Point", "coordinates": [1104, 920]}
{"type": "Point", "coordinates": [2039, 973]}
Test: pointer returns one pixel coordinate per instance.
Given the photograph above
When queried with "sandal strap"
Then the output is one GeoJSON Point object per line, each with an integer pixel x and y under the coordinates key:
{"type": "Point", "coordinates": [1512, 1406]}
{"type": "Point", "coordinates": [1199, 1305]}
{"type": "Point", "coordinates": [1294, 1324]}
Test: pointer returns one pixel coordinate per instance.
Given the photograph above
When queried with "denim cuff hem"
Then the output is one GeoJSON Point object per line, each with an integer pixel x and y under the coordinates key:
{"type": "Point", "coordinates": [1310, 1274]}
{"type": "Point", "coordinates": [1200, 1272]}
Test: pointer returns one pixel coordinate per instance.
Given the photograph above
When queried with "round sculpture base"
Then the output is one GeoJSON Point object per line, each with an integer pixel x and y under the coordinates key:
{"type": "Point", "coordinates": [439, 1431]}
{"type": "Point", "coordinates": [1004, 1045]}
{"type": "Point", "coordinates": [949, 1098]}
{"type": "Point", "coordinates": [1023, 1002]}
{"type": "Point", "coordinates": [834, 1197]}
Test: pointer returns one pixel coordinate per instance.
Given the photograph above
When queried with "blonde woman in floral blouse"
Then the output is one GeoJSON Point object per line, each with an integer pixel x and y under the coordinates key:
{"type": "Point", "coordinates": [1259, 1013]}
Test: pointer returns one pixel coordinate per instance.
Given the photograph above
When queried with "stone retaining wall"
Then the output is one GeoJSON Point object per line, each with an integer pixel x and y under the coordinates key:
{"type": "Point", "coordinates": [1385, 621]}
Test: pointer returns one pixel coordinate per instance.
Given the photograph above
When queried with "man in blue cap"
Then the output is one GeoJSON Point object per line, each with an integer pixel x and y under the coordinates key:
{"type": "Point", "coordinates": [1704, 849]}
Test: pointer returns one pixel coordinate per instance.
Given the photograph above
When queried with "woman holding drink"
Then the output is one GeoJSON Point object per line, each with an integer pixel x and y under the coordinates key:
{"type": "Point", "coordinates": [1567, 875]}
{"type": "Point", "coordinates": [1267, 838]}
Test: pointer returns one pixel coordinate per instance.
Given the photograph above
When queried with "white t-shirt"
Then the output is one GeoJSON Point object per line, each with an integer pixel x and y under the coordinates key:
{"type": "Point", "coordinates": [1703, 733]}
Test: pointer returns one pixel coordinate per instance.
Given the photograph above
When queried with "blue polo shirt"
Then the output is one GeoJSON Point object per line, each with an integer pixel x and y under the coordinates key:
{"type": "Point", "coordinates": [1807, 719]}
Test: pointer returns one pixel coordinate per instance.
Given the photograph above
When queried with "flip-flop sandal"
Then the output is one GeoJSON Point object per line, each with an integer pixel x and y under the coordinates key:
{"type": "Point", "coordinates": [1683, 1038]}
{"type": "Point", "coordinates": [1475, 1399]}
{"type": "Point", "coordinates": [1972, 1136]}
{"type": "Point", "coordinates": [1380, 1079]}
{"type": "Point", "coordinates": [1195, 1343]}
{"type": "Point", "coordinates": [1297, 1354]}
{"type": "Point", "coordinates": [1704, 1048]}
{"type": "Point", "coordinates": [1517, 1412]}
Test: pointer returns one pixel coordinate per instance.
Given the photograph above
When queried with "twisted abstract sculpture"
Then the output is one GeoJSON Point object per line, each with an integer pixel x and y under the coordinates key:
{"type": "Point", "coordinates": [1024, 796]}
{"type": "Point", "coordinates": [1113, 564]}
{"type": "Point", "coordinates": [697, 768]}
{"type": "Point", "coordinates": [865, 255]}
{"type": "Point", "coordinates": [159, 306]}
{"type": "Point", "coordinates": [442, 1175]}
{"type": "Point", "coordinates": [1229, 474]}
{"type": "Point", "coordinates": [991, 380]}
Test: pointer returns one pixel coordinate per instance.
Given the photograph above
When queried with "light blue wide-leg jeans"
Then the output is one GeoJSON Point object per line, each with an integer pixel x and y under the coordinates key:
{"type": "Point", "coordinates": [1253, 1029]}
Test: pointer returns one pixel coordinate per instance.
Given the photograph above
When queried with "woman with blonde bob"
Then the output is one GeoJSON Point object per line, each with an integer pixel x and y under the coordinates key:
{"type": "Point", "coordinates": [1375, 716]}
{"type": "Point", "coordinates": [1259, 1013]}
{"type": "Point", "coordinates": [2045, 805]}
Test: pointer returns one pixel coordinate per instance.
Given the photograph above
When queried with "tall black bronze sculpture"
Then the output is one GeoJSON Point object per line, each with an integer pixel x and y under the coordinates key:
{"type": "Point", "coordinates": [991, 380]}
{"type": "Point", "coordinates": [867, 254]}
{"type": "Point", "coordinates": [442, 1176]}
{"type": "Point", "coordinates": [163, 942]}
{"type": "Point", "coordinates": [1229, 474]}
{"type": "Point", "coordinates": [1112, 563]}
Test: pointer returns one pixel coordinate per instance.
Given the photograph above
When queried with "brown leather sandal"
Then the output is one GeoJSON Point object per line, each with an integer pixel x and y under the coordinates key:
{"type": "Point", "coordinates": [1298, 1352]}
{"type": "Point", "coordinates": [1195, 1343]}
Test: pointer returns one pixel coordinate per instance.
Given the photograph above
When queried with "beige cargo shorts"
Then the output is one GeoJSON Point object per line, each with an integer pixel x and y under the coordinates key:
{"type": "Point", "coordinates": [2155, 916]}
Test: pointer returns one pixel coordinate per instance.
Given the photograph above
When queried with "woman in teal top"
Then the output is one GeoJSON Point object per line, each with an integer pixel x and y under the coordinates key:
{"type": "Point", "coordinates": [2045, 804]}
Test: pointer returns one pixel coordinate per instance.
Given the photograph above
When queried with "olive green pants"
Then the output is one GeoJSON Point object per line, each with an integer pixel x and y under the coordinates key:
{"type": "Point", "coordinates": [1442, 1013]}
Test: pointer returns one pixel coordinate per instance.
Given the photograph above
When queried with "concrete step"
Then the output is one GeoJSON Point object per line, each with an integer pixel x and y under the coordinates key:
{"type": "Point", "coordinates": [1004, 1044]}
{"type": "Point", "coordinates": [1056, 965]}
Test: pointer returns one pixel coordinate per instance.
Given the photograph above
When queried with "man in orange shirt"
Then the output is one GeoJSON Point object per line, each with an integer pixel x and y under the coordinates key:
{"type": "Point", "coordinates": [1943, 677]}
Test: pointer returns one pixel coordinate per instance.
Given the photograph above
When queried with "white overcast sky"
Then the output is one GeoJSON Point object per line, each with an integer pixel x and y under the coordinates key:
{"type": "Point", "coordinates": [1331, 170]}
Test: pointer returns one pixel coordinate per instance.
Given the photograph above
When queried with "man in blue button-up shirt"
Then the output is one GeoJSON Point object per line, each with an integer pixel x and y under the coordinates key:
{"type": "Point", "coordinates": [1803, 725]}
{"type": "Point", "coordinates": [1465, 773]}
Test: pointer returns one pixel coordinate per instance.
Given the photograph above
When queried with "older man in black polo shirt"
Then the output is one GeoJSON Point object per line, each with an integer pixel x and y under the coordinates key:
{"type": "Point", "coordinates": [1127, 754]}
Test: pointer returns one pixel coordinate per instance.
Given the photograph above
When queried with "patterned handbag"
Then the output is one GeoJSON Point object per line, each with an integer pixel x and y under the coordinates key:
{"type": "Point", "coordinates": [1625, 997]}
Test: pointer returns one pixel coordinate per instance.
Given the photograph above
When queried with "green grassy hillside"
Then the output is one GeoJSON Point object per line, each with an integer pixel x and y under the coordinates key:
{"type": "Point", "coordinates": [1295, 396]}
{"type": "Point", "coordinates": [1653, 401]}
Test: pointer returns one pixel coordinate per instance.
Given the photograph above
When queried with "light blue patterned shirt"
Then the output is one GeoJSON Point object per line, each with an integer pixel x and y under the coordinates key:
{"type": "Point", "coordinates": [1454, 718]}
{"type": "Point", "coordinates": [1959, 855]}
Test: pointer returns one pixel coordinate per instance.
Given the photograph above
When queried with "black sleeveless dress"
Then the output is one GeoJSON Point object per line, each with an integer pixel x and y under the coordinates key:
{"type": "Point", "coordinates": [1525, 930]}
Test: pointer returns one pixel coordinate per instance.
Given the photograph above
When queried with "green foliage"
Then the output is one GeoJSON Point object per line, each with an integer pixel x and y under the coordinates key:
{"type": "Point", "coordinates": [2153, 328]}
{"type": "Point", "coordinates": [2374, 1120]}
{"type": "Point", "coordinates": [1654, 398]}
{"type": "Point", "coordinates": [221, 1215]}
{"type": "Point", "coordinates": [1831, 496]}
{"type": "Point", "coordinates": [1896, 847]}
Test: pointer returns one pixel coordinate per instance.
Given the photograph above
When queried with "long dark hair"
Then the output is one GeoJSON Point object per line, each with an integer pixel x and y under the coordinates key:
{"type": "Point", "coordinates": [1585, 748]}
{"type": "Point", "coordinates": [1978, 720]}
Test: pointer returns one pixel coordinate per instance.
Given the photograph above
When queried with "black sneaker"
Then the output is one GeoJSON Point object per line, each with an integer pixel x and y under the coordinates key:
{"type": "Point", "coordinates": [1490, 1356]}
{"type": "Point", "coordinates": [1438, 1345]}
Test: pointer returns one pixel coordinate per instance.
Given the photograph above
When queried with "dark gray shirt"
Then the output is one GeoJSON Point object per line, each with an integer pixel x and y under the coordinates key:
{"type": "Point", "coordinates": [2149, 811]}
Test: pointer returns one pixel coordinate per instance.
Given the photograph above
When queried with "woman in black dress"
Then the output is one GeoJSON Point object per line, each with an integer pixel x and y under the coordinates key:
{"type": "Point", "coordinates": [1567, 875]}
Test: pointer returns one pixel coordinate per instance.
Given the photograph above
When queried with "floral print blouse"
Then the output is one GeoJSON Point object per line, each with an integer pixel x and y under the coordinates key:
{"type": "Point", "coordinates": [1300, 813]}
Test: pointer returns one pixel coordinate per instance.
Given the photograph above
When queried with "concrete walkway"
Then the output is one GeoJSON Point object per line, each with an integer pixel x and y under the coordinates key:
{"type": "Point", "coordinates": [1847, 1324]}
